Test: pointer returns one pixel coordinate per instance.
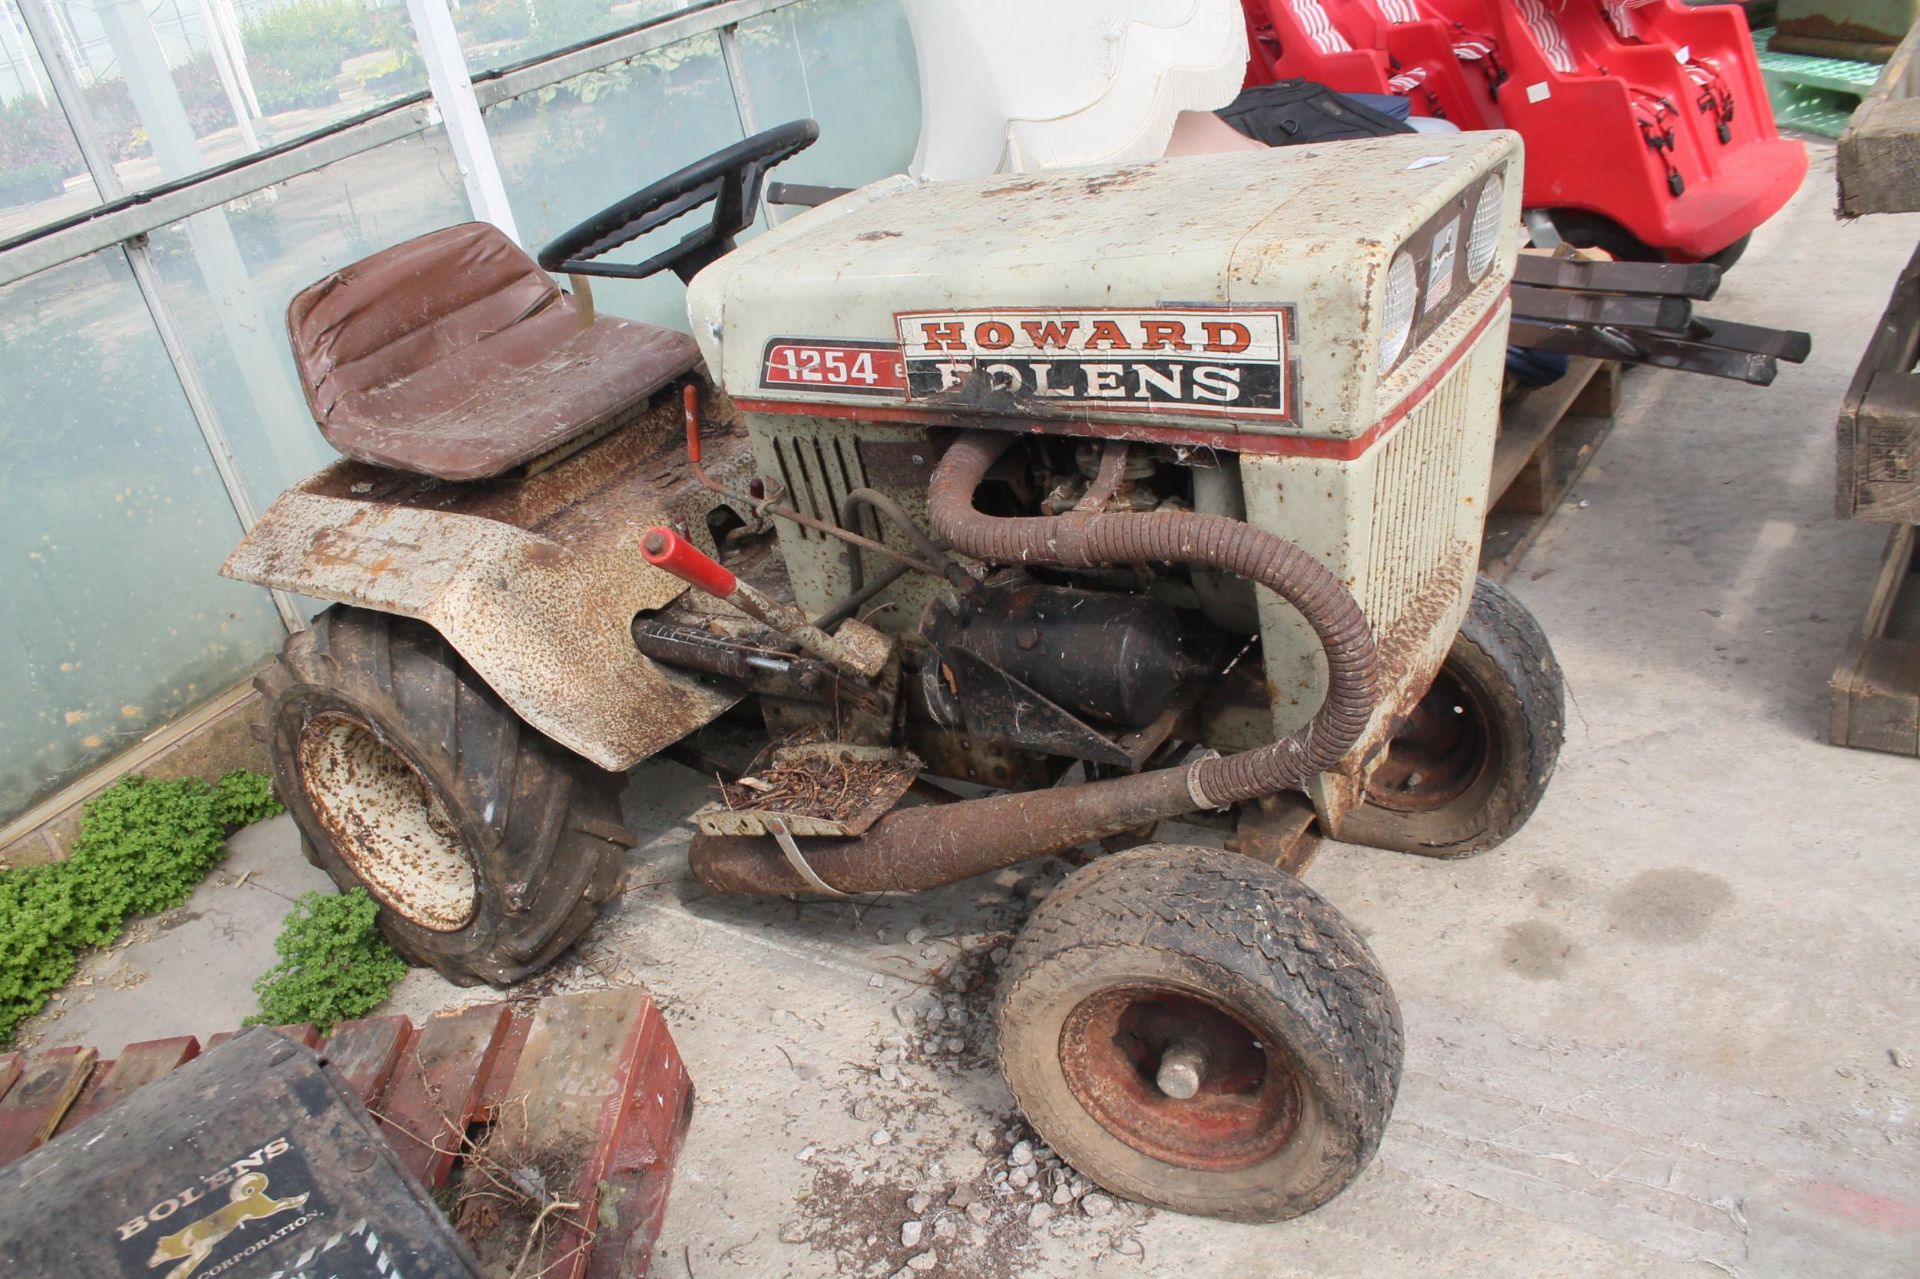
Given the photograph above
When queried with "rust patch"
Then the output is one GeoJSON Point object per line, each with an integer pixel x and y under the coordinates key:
{"type": "Point", "coordinates": [534, 579]}
{"type": "Point", "coordinates": [1118, 178]}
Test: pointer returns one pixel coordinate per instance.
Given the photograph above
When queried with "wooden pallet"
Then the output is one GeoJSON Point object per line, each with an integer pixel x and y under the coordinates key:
{"type": "Point", "coordinates": [1548, 435]}
{"type": "Point", "coordinates": [1813, 95]}
{"type": "Point", "coordinates": [1876, 690]}
{"type": "Point", "coordinates": [594, 1077]}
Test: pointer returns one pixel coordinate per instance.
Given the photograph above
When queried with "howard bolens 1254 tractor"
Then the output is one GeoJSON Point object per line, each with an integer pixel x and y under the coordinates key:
{"type": "Point", "coordinates": [1125, 495]}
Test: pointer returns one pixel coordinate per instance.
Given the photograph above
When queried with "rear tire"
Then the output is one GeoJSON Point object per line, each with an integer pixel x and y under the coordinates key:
{"type": "Point", "coordinates": [1474, 758]}
{"type": "Point", "coordinates": [488, 846]}
{"type": "Point", "coordinates": [1726, 257]}
{"type": "Point", "coordinates": [1596, 231]}
{"type": "Point", "coordinates": [1292, 1029]}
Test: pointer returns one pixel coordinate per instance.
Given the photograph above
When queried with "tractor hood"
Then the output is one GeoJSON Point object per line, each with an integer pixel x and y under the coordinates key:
{"type": "Point", "coordinates": [1240, 291]}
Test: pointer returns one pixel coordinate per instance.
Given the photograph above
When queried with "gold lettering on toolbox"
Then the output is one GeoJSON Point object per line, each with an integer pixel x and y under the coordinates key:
{"type": "Point", "coordinates": [193, 1244]}
{"type": "Point", "coordinates": [1231, 361]}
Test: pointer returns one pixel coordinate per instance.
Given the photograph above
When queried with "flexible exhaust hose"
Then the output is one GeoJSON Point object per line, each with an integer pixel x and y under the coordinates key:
{"type": "Point", "coordinates": [1183, 537]}
{"type": "Point", "coordinates": [913, 849]}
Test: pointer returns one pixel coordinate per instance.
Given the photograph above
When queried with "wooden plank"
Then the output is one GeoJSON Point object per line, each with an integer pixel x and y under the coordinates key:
{"type": "Point", "coordinates": [364, 1053]}
{"type": "Point", "coordinates": [1601, 395]}
{"type": "Point", "coordinates": [571, 1095]}
{"type": "Point", "coordinates": [10, 1067]}
{"type": "Point", "coordinates": [1878, 165]}
{"type": "Point", "coordinates": [1509, 535]}
{"type": "Point", "coordinates": [1876, 691]}
{"type": "Point", "coordinates": [1528, 421]}
{"type": "Point", "coordinates": [1896, 563]}
{"type": "Point", "coordinates": [138, 1065]}
{"type": "Point", "coordinates": [434, 1092]}
{"type": "Point", "coordinates": [498, 1085]}
{"type": "Point", "coordinates": [33, 1107]}
{"type": "Point", "coordinates": [303, 1034]}
{"type": "Point", "coordinates": [1877, 471]}
{"type": "Point", "coordinates": [1876, 698]}
{"type": "Point", "coordinates": [636, 1165]}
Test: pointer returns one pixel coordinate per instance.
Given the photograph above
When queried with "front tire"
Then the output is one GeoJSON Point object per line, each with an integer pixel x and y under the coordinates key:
{"type": "Point", "coordinates": [1192, 1029]}
{"type": "Point", "coordinates": [1470, 765]}
{"type": "Point", "coordinates": [488, 846]}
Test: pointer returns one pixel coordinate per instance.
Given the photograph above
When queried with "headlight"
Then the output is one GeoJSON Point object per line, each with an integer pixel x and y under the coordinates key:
{"type": "Point", "coordinates": [1397, 322]}
{"type": "Point", "coordinates": [1484, 240]}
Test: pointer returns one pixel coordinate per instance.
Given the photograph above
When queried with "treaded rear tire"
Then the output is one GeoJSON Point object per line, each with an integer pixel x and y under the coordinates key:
{"type": "Point", "coordinates": [1251, 941]}
{"type": "Point", "coordinates": [539, 826]}
{"type": "Point", "coordinates": [1502, 662]}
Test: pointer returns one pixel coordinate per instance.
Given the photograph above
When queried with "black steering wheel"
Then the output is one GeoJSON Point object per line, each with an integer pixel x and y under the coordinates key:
{"type": "Point", "coordinates": [730, 179]}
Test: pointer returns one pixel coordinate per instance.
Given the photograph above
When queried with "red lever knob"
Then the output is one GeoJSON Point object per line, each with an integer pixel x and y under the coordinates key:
{"type": "Point", "coordinates": [664, 548]}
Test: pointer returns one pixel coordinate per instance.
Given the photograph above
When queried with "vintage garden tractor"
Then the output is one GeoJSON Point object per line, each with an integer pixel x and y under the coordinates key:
{"type": "Point", "coordinates": [1110, 496]}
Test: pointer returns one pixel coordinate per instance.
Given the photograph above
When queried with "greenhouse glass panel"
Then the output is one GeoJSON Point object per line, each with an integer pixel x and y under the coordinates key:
{"type": "Point", "coordinates": [229, 273]}
{"type": "Point", "coordinates": [503, 33]}
{"type": "Point", "coordinates": [42, 177]}
{"type": "Point", "coordinates": [113, 525]}
{"type": "Point", "coordinates": [572, 149]}
{"type": "Point", "coordinates": [848, 64]}
{"type": "Point", "coordinates": [177, 86]}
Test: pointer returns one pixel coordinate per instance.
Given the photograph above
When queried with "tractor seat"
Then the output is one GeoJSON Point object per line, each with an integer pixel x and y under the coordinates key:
{"type": "Point", "coordinates": [454, 355]}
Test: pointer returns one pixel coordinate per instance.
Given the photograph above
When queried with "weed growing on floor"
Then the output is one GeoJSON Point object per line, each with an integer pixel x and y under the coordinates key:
{"type": "Point", "coordinates": [144, 846]}
{"type": "Point", "coordinates": [334, 964]}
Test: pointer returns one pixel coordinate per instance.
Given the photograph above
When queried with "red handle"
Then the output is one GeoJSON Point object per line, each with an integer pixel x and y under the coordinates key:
{"type": "Point", "coordinates": [666, 549]}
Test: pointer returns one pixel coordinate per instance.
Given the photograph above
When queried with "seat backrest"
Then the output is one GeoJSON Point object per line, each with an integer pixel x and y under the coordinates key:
{"type": "Point", "coordinates": [390, 315]}
{"type": "Point", "coordinates": [1544, 25]}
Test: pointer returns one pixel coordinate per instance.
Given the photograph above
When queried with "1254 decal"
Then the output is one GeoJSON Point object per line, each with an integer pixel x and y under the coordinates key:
{"type": "Point", "coordinates": [860, 368]}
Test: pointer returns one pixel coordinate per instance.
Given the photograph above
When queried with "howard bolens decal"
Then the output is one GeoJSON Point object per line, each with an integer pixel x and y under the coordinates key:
{"type": "Point", "coordinates": [1204, 360]}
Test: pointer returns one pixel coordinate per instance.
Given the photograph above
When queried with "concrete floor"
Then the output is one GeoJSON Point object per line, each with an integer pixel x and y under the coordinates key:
{"type": "Point", "coordinates": [1666, 1030]}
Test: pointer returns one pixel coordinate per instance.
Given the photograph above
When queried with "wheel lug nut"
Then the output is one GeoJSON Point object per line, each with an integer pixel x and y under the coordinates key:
{"type": "Point", "coordinates": [1183, 1067]}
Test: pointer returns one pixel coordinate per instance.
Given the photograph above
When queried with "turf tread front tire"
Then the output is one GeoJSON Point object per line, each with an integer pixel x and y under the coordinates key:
{"type": "Point", "coordinates": [1250, 934]}
{"type": "Point", "coordinates": [1502, 655]}
{"type": "Point", "coordinates": [542, 825]}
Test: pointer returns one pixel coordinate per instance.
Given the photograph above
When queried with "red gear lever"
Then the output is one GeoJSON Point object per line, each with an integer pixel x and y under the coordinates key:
{"type": "Point", "coordinates": [666, 549]}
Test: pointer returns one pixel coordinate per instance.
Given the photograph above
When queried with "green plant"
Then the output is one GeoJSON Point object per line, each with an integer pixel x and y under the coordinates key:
{"type": "Point", "coordinates": [334, 964]}
{"type": "Point", "coordinates": [143, 847]}
{"type": "Point", "coordinates": [295, 50]}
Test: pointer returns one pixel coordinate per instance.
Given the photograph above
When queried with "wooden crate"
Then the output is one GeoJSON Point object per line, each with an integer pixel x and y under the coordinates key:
{"type": "Point", "coordinates": [1876, 690]}
{"type": "Point", "coordinates": [1548, 435]}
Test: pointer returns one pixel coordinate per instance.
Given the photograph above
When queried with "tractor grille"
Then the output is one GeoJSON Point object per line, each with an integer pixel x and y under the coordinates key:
{"type": "Point", "coordinates": [817, 473]}
{"type": "Point", "coordinates": [1417, 500]}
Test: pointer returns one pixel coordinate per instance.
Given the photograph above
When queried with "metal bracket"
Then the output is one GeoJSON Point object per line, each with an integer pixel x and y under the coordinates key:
{"type": "Point", "coordinates": [791, 851]}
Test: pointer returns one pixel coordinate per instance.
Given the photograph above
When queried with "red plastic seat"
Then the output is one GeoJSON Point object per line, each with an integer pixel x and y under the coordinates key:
{"type": "Point", "coordinates": [454, 355]}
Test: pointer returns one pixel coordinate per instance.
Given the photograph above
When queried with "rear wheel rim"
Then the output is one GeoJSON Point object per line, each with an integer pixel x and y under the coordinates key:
{"type": "Point", "coordinates": [1440, 755]}
{"type": "Point", "coordinates": [387, 824]}
{"type": "Point", "coordinates": [1244, 1111]}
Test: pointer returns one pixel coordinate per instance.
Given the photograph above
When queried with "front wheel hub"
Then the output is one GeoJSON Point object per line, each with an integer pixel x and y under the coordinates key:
{"type": "Point", "coordinates": [1179, 1078]}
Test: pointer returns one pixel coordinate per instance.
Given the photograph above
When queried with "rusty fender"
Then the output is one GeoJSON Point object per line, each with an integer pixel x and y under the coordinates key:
{"type": "Point", "coordinates": [920, 848]}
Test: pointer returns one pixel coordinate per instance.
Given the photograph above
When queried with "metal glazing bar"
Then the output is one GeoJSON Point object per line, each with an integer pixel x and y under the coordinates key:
{"type": "Point", "coordinates": [123, 217]}
{"type": "Point", "coordinates": [148, 212]}
{"type": "Point", "coordinates": [512, 82]}
{"type": "Point", "coordinates": [466, 132]}
{"type": "Point", "coordinates": [200, 402]}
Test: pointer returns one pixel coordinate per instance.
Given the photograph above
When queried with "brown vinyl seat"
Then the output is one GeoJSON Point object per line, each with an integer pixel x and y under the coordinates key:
{"type": "Point", "coordinates": [454, 355]}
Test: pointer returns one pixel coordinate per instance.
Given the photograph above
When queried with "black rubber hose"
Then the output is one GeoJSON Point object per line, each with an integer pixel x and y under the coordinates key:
{"type": "Point", "coordinates": [1078, 540]}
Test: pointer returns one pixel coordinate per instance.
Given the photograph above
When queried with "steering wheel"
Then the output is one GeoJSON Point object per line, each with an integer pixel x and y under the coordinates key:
{"type": "Point", "coordinates": [729, 179]}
